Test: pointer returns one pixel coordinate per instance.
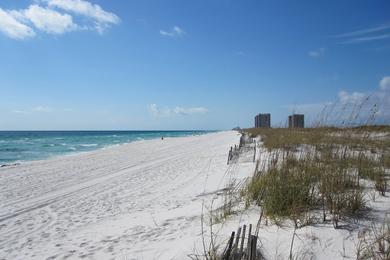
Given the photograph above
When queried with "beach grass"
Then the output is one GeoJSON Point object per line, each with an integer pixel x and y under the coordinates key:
{"type": "Point", "coordinates": [324, 169]}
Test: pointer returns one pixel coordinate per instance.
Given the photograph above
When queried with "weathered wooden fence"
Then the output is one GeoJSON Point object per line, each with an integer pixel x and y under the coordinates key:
{"type": "Point", "coordinates": [236, 250]}
{"type": "Point", "coordinates": [246, 144]}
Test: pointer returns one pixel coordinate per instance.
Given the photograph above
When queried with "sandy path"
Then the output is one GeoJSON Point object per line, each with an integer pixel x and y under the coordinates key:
{"type": "Point", "coordinates": [135, 201]}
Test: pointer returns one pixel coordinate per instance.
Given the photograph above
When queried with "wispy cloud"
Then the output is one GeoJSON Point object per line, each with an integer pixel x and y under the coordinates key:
{"type": "Point", "coordinates": [317, 53]}
{"type": "Point", "coordinates": [176, 31]}
{"type": "Point", "coordinates": [380, 32]}
{"type": "Point", "coordinates": [23, 112]}
{"type": "Point", "coordinates": [166, 112]}
{"type": "Point", "coordinates": [55, 17]}
{"type": "Point", "coordinates": [190, 111]}
{"type": "Point", "coordinates": [379, 28]}
{"type": "Point", "coordinates": [367, 39]}
{"type": "Point", "coordinates": [44, 109]}
{"type": "Point", "coordinates": [37, 109]}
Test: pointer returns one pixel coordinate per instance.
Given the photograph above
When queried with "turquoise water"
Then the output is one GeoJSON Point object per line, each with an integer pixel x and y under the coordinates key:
{"type": "Point", "coordinates": [16, 146]}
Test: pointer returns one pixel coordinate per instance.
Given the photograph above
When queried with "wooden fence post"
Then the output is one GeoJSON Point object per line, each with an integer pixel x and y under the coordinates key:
{"type": "Point", "coordinates": [242, 242]}
{"type": "Point", "coordinates": [253, 248]}
{"type": "Point", "coordinates": [248, 245]}
{"type": "Point", "coordinates": [229, 249]}
{"type": "Point", "coordinates": [236, 243]}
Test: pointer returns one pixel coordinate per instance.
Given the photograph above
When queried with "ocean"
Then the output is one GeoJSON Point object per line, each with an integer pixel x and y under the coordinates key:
{"type": "Point", "coordinates": [18, 146]}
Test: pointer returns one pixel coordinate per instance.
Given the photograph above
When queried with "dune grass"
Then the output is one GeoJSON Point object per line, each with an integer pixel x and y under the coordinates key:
{"type": "Point", "coordinates": [320, 170]}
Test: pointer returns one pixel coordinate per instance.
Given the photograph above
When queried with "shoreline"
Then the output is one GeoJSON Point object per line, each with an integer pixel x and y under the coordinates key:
{"type": "Point", "coordinates": [105, 146]}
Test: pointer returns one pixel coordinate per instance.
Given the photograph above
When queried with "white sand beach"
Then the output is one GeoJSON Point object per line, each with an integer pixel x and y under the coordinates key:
{"type": "Point", "coordinates": [141, 200]}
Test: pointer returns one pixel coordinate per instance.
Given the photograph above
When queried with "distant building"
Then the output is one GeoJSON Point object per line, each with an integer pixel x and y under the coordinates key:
{"type": "Point", "coordinates": [263, 120]}
{"type": "Point", "coordinates": [296, 121]}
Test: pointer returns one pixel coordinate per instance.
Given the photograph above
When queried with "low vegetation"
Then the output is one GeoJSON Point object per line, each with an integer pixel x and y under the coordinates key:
{"type": "Point", "coordinates": [320, 174]}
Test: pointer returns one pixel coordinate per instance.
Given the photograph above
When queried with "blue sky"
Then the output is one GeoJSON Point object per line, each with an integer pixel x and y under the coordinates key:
{"type": "Point", "coordinates": [174, 64]}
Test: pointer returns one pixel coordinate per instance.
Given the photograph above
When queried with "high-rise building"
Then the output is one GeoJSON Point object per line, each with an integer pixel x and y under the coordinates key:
{"type": "Point", "coordinates": [263, 120]}
{"type": "Point", "coordinates": [296, 121]}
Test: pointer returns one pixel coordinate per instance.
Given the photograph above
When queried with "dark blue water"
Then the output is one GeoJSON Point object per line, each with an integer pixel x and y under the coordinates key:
{"type": "Point", "coordinates": [18, 146]}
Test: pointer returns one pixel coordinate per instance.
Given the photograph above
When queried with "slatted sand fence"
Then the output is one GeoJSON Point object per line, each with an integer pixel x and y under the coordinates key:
{"type": "Point", "coordinates": [242, 245]}
{"type": "Point", "coordinates": [245, 151]}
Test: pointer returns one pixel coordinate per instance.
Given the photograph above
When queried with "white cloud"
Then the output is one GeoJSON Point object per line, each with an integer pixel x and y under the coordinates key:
{"type": "Point", "coordinates": [368, 104]}
{"type": "Point", "coordinates": [380, 32]}
{"type": "Point", "coordinates": [176, 31]}
{"type": "Point", "coordinates": [37, 109]}
{"type": "Point", "coordinates": [102, 19]}
{"type": "Point", "coordinates": [385, 83]}
{"type": "Point", "coordinates": [351, 98]}
{"type": "Point", "coordinates": [20, 112]}
{"type": "Point", "coordinates": [154, 109]}
{"type": "Point", "coordinates": [367, 39]}
{"type": "Point", "coordinates": [166, 112]}
{"type": "Point", "coordinates": [47, 20]}
{"type": "Point", "coordinates": [13, 28]}
{"type": "Point", "coordinates": [160, 112]}
{"type": "Point", "coordinates": [54, 17]}
{"type": "Point", "coordinates": [190, 111]}
{"type": "Point", "coordinates": [42, 109]}
{"type": "Point", "coordinates": [317, 53]}
{"type": "Point", "coordinates": [379, 28]}
{"type": "Point", "coordinates": [376, 102]}
{"type": "Point", "coordinates": [352, 107]}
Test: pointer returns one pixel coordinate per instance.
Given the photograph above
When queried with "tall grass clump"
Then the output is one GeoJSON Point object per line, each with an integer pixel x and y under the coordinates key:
{"type": "Point", "coordinates": [299, 184]}
{"type": "Point", "coordinates": [284, 191]}
{"type": "Point", "coordinates": [339, 192]}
